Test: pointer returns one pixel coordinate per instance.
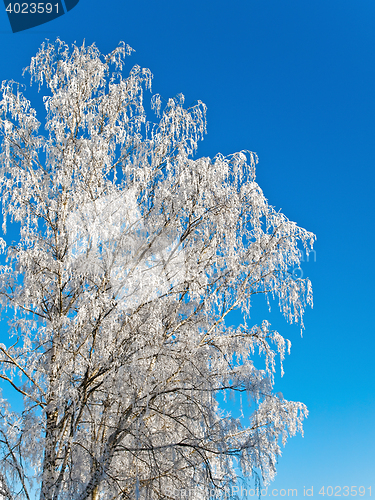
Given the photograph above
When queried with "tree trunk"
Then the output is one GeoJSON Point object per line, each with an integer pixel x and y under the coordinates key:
{"type": "Point", "coordinates": [95, 493]}
{"type": "Point", "coordinates": [48, 480]}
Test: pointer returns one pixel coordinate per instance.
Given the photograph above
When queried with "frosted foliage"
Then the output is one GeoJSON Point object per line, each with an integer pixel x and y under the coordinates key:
{"type": "Point", "coordinates": [97, 227]}
{"type": "Point", "coordinates": [130, 254]}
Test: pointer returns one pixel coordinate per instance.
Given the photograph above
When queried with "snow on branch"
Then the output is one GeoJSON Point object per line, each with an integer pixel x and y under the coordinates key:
{"type": "Point", "coordinates": [131, 254]}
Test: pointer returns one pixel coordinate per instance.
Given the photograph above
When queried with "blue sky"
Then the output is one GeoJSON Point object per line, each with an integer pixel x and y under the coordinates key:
{"type": "Point", "coordinates": [292, 80]}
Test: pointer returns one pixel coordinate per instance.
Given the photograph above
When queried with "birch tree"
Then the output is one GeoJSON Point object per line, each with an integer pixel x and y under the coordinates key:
{"type": "Point", "coordinates": [130, 253]}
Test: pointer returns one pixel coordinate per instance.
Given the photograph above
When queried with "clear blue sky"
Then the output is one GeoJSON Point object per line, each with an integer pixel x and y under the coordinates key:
{"type": "Point", "coordinates": [294, 81]}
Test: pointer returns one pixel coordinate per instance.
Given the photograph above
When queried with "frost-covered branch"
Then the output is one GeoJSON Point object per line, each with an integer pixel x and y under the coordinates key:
{"type": "Point", "coordinates": [131, 253]}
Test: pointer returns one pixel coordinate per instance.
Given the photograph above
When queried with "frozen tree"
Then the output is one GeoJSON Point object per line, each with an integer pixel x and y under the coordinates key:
{"type": "Point", "coordinates": [130, 254]}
